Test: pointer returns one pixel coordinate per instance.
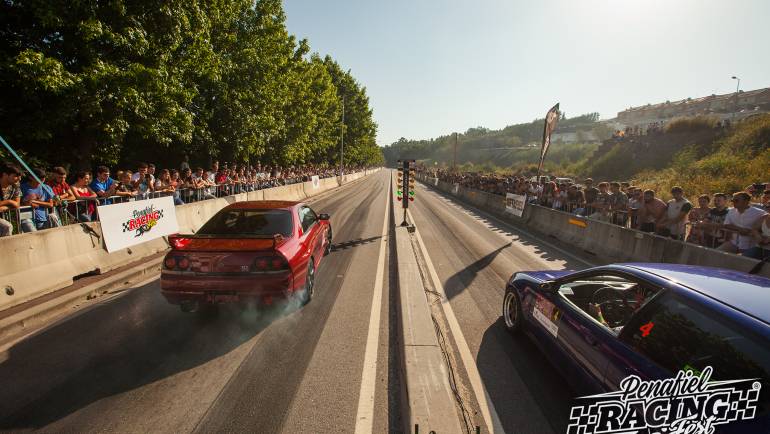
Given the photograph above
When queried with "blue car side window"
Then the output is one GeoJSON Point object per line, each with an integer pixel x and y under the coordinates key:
{"type": "Point", "coordinates": [677, 334]}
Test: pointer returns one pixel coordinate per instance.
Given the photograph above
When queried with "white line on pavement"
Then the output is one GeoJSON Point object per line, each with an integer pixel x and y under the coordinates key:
{"type": "Point", "coordinates": [465, 207]}
{"type": "Point", "coordinates": [491, 419]}
{"type": "Point", "coordinates": [365, 413]}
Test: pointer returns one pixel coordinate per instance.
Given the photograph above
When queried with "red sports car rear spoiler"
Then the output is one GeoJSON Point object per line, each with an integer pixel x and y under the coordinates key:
{"type": "Point", "coordinates": [192, 242]}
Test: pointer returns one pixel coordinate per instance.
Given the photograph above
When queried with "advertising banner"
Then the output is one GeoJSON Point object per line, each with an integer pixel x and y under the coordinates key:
{"type": "Point", "coordinates": [514, 203]}
{"type": "Point", "coordinates": [435, 181]}
{"type": "Point", "coordinates": [316, 182]}
{"type": "Point", "coordinates": [456, 188]}
{"type": "Point", "coordinates": [131, 223]}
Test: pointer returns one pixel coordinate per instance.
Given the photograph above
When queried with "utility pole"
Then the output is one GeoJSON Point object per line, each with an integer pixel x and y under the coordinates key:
{"type": "Point", "coordinates": [737, 89]}
{"type": "Point", "coordinates": [454, 164]}
{"type": "Point", "coordinates": [342, 137]}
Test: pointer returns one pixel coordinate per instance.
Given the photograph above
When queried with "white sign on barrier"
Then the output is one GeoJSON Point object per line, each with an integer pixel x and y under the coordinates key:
{"type": "Point", "coordinates": [131, 223]}
{"type": "Point", "coordinates": [435, 181]}
{"type": "Point", "coordinates": [514, 204]}
{"type": "Point", "coordinates": [456, 188]}
{"type": "Point", "coordinates": [316, 182]}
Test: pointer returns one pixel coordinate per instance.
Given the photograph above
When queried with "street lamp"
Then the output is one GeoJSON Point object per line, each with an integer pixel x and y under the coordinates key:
{"type": "Point", "coordinates": [342, 137]}
{"type": "Point", "coordinates": [737, 89]}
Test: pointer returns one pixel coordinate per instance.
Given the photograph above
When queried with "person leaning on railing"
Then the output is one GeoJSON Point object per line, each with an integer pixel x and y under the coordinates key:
{"type": "Point", "coordinates": [10, 196]}
{"type": "Point", "coordinates": [761, 235]}
{"type": "Point", "coordinates": [41, 200]}
{"type": "Point", "coordinates": [124, 188]}
{"type": "Point", "coordinates": [742, 219]}
{"type": "Point", "coordinates": [103, 185]}
{"type": "Point", "coordinates": [85, 206]}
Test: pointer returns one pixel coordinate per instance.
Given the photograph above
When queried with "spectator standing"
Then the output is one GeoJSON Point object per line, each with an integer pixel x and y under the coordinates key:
{"type": "Point", "coordinates": [766, 201]}
{"type": "Point", "coordinates": [211, 178]}
{"type": "Point", "coordinates": [677, 209]}
{"type": "Point", "coordinates": [697, 217]}
{"type": "Point", "coordinates": [10, 195]}
{"type": "Point", "coordinates": [601, 204]}
{"type": "Point", "coordinates": [124, 188]}
{"type": "Point", "coordinates": [590, 193]}
{"type": "Point", "coordinates": [761, 236]}
{"type": "Point", "coordinates": [82, 192]}
{"type": "Point", "coordinates": [742, 219]}
{"type": "Point", "coordinates": [185, 164]}
{"type": "Point", "coordinates": [618, 202]}
{"type": "Point", "coordinates": [142, 181]}
{"type": "Point", "coordinates": [651, 213]}
{"type": "Point", "coordinates": [714, 236]}
{"type": "Point", "coordinates": [103, 185]}
{"type": "Point", "coordinates": [40, 198]}
{"type": "Point", "coordinates": [167, 186]}
{"type": "Point", "coordinates": [575, 199]}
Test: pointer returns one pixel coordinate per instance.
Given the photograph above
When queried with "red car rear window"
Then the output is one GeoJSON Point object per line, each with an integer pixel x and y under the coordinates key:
{"type": "Point", "coordinates": [248, 222]}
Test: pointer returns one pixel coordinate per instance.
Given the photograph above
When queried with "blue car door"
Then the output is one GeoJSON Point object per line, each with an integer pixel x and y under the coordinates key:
{"type": "Point", "coordinates": [582, 339]}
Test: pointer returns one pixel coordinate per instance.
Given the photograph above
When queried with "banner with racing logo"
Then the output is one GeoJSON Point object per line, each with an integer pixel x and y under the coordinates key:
{"type": "Point", "coordinates": [689, 402]}
{"type": "Point", "coordinates": [316, 182]}
{"type": "Point", "coordinates": [131, 223]}
{"type": "Point", "coordinates": [514, 203]}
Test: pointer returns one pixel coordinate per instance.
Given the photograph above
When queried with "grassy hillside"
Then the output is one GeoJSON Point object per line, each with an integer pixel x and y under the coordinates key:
{"type": "Point", "coordinates": [512, 146]}
{"type": "Point", "coordinates": [726, 165]}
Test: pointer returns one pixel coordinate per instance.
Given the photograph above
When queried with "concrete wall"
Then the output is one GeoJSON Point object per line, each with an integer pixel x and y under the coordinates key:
{"type": "Point", "coordinates": [610, 242]}
{"type": "Point", "coordinates": [38, 263]}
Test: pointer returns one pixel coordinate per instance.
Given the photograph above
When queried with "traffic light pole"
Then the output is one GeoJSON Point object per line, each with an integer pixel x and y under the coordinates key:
{"type": "Point", "coordinates": [405, 204]}
{"type": "Point", "coordinates": [405, 185]}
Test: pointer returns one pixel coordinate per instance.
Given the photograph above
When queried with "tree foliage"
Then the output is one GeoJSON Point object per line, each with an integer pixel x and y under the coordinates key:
{"type": "Point", "coordinates": [89, 82]}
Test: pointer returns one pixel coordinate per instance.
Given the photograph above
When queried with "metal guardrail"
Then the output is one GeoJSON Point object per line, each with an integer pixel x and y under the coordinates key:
{"type": "Point", "coordinates": [85, 210]}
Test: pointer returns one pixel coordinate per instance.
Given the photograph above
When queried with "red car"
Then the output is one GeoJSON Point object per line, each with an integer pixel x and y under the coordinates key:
{"type": "Point", "coordinates": [254, 251]}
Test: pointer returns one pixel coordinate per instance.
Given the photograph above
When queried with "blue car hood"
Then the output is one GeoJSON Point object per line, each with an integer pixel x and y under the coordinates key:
{"type": "Point", "coordinates": [547, 274]}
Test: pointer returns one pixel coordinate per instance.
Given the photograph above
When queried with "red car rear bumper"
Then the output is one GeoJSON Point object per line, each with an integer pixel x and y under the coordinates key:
{"type": "Point", "coordinates": [186, 287]}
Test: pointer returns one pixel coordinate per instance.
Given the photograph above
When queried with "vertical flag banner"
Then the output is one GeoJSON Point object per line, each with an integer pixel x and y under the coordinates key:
{"type": "Point", "coordinates": [551, 119]}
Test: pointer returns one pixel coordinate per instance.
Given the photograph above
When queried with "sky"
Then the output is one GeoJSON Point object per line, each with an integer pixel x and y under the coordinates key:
{"type": "Point", "coordinates": [435, 67]}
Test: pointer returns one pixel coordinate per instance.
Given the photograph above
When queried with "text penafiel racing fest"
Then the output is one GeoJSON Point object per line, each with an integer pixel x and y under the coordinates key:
{"type": "Point", "coordinates": [688, 403]}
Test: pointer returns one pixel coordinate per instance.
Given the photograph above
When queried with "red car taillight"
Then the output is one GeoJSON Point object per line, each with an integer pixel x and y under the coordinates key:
{"type": "Point", "coordinates": [183, 263]}
{"type": "Point", "coordinates": [270, 263]}
{"type": "Point", "coordinates": [170, 262]}
{"type": "Point", "coordinates": [177, 262]}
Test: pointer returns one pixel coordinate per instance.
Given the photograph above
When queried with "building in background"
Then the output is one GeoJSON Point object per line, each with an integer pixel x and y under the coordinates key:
{"type": "Point", "coordinates": [725, 107]}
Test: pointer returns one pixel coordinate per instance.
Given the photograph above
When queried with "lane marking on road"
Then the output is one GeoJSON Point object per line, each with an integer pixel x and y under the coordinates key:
{"type": "Point", "coordinates": [463, 207]}
{"type": "Point", "coordinates": [488, 412]}
{"type": "Point", "coordinates": [365, 413]}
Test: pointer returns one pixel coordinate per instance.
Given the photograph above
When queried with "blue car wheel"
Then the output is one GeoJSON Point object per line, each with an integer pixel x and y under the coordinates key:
{"type": "Point", "coordinates": [512, 311]}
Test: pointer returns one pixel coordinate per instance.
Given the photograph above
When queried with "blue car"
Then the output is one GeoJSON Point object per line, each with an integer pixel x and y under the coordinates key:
{"type": "Point", "coordinates": [602, 325]}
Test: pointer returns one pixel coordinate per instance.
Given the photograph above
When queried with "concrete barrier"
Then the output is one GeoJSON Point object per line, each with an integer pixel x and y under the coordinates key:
{"type": "Point", "coordinates": [610, 242]}
{"type": "Point", "coordinates": [430, 403]}
{"type": "Point", "coordinates": [38, 263]}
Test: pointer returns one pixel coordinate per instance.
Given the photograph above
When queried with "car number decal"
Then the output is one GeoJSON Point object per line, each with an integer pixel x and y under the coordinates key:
{"type": "Point", "coordinates": [547, 315]}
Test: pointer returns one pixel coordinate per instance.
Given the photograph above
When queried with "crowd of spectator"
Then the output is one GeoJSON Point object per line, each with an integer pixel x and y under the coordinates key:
{"type": "Point", "coordinates": [655, 128]}
{"type": "Point", "coordinates": [743, 228]}
{"type": "Point", "coordinates": [26, 205]}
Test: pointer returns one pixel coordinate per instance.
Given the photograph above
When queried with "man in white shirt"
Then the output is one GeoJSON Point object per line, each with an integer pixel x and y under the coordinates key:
{"type": "Point", "coordinates": [677, 210]}
{"type": "Point", "coordinates": [741, 219]}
